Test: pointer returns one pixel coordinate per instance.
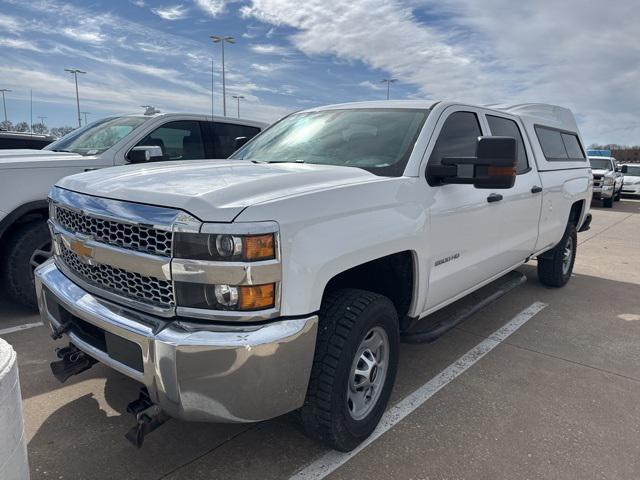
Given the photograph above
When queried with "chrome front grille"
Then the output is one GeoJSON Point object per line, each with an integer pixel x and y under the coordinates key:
{"type": "Point", "coordinates": [132, 237]}
{"type": "Point", "coordinates": [121, 282]}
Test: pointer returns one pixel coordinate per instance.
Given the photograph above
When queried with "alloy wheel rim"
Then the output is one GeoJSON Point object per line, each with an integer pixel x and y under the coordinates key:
{"type": "Point", "coordinates": [368, 373]}
{"type": "Point", "coordinates": [566, 256]}
{"type": "Point", "coordinates": [41, 255]}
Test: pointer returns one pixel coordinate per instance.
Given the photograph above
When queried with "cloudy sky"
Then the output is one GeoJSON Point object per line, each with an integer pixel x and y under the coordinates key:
{"type": "Point", "coordinates": [293, 54]}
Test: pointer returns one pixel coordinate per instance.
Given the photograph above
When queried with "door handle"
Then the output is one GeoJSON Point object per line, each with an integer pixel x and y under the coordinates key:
{"type": "Point", "coordinates": [494, 197]}
{"type": "Point", "coordinates": [536, 189]}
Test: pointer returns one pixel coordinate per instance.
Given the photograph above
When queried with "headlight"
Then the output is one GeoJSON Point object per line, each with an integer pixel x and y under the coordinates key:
{"type": "Point", "coordinates": [226, 297]}
{"type": "Point", "coordinates": [226, 270]}
{"type": "Point", "coordinates": [224, 247]}
{"type": "Point", "coordinates": [608, 181]}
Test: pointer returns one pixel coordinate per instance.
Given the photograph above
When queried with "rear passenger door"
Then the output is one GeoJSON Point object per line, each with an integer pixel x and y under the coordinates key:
{"type": "Point", "coordinates": [520, 206]}
{"type": "Point", "coordinates": [222, 137]}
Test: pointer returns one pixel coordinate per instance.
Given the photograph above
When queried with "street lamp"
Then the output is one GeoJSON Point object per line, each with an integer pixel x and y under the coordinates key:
{"type": "Point", "coordinates": [85, 117]}
{"type": "Point", "coordinates": [4, 103]}
{"type": "Point", "coordinates": [75, 72]}
{"type": "Point", "coordinates": [238, 97]}
{"type": "Point", "coordinates": [222, 40]}
{"type": "Point", "coordinates": [389, 81]}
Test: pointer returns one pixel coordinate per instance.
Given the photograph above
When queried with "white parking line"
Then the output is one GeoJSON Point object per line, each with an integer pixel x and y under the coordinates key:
{"type": "Point", "coordinates": [332, 460]}
{"type": "Point", "coordinates": [19, 328]}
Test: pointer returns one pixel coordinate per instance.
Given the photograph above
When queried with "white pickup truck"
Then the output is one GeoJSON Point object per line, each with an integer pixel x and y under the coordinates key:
{"type": "Point", "coordinates": [26, 176]}
{"type": "Point", "coordinates": [282, 278]}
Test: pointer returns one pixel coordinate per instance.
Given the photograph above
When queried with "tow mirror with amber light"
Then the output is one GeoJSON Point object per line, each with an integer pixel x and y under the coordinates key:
{"type": "Point", "coordinates": [494, 165]}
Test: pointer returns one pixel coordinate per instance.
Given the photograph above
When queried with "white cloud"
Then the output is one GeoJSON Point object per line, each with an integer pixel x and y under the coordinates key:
{"type": "Point", "coordinates": [212, 7]}
{"type": "Point", "coordinates": [267, 68]}
{"type": "Point", "coordinates": [176, 12]}
{"type": "Point", "coordinates": [19, 44]}
{"type": "Point", "coordinates": [270, 49]}
{"type": "Point", "coordinates": [9, 23]}
{"type": "Point", "coordinates": [83, 36]}
{"type": "Point", "coordinates": [372, 86]}
{"type": "Point", "coordinates": [577, 54]}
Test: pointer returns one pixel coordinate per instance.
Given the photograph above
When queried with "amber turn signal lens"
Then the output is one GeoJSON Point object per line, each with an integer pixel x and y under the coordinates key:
{"type": "Point", "coordinates": [259, 247]}
{"type": "Point", "coordinates": [257, 297]}
{"type": "Point", "coordinates": [502, 171]}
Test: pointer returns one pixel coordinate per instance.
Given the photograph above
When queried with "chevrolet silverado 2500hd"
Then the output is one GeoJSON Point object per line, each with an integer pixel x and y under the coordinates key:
{"type": "Point", "coordinates": [26, 176]}
{"type": "Point", "coordinates": [282, 278]}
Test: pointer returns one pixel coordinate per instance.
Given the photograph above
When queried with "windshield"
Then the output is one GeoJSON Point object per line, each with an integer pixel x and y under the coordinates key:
{"type": "Point", "coordinates": [600, 164]}
{"type": "Point", "coordinates": [633, 170]}
{"type": "Point", "coordinates": [98, 136]}
{"type": "Point", "coordinates": [377, 140]}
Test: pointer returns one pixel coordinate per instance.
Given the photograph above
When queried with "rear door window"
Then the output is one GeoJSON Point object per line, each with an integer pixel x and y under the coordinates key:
{"type": "Point", "coordinates": [225, 134]}
{"type": "Point", "coordinates": [505, 127]}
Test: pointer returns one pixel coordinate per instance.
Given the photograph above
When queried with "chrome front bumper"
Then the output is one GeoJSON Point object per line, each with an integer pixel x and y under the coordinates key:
{"type": "Point", "coordinates": [210, 373]}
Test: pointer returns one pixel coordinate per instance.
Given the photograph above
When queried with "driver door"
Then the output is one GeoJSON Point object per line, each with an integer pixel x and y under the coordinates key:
{"type": "Point", "coordinates": [465, 231]}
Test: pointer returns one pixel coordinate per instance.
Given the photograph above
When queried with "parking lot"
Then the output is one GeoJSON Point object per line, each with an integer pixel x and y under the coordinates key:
{"type": "Point", "coordinates": [557, 398]}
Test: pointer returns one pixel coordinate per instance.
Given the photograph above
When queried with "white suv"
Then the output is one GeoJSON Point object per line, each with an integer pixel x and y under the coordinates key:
{"type": "Point", "coordinates": [631, 179]}
{"type": "Point", "coordinates": [27, 175]}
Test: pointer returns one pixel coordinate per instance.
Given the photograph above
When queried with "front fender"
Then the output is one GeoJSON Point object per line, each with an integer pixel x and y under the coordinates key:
{"type": "Point", "coordinates": [326, 233]}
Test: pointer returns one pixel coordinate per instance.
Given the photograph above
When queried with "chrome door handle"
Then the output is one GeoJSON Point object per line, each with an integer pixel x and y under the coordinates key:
{"type": "Point", "coordinates": [494, 197]}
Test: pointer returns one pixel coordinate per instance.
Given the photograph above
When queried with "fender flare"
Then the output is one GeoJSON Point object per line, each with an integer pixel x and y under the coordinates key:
{"type": "Point", "coordinates": [31, 207]}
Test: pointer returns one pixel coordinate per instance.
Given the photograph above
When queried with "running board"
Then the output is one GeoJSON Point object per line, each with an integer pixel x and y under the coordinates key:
{"type": "Point", "coordinates": [445, 319]}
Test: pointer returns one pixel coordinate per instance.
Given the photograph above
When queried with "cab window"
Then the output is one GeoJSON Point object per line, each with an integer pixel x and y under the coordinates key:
{"type": "Point", "coordinates": [505, 127]}
{"type": "Point", "coordinates": [225, 134]}
{"type": "Point", "coordinates": [458, 137]}
{"type": "Point", "coordinates": [179, 140]}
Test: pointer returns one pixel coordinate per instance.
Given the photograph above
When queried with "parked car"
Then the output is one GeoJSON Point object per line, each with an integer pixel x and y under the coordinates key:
{"type": "Point", "coordinates": [282, 279]}
{"type": "Point", "coordinates": [13, 140]}
{"type": "Point", "coordinates": [26, 176]}
{"type": "Point", "coordinates": [631, 179]}
{"type": "Point", "coordinates": [608, 179]}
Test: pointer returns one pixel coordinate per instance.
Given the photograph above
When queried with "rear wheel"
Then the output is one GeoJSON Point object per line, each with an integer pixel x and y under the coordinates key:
{"type": "Point", "coordinates": [556, 265]}
{"type": "Point", "coordinates": [26, 248]}
{"type": "Point", "coordinates": [354, 368]}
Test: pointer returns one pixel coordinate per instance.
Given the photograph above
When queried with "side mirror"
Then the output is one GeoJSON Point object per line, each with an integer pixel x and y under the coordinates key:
{"type": "Point", "coordinates": [624, 169]}
{"type": "Point", "coordinates": [239, 142]}
{"type": "Point", "coordinates": [494, 165]}
{"type": "Point", "coordinates": [145, 153]}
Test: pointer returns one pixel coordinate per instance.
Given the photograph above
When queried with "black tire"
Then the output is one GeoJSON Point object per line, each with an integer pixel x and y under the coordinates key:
{"type": "Point", "coordinates": [607, 202]}
{"type": "Point", "coordinates": [552, 270]}
{"type": "Point", "coordinates": [17, 270]}
{"type": "Point", "coordinates": [346, 317]}
{"type": "Point", "coordinates": [616, 197]}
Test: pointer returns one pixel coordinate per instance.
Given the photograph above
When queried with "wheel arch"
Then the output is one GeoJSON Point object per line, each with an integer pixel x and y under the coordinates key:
{"type": "Point", "coordinates": [393, 275]}
{"type": "Point", "coordinates": [27, 212]}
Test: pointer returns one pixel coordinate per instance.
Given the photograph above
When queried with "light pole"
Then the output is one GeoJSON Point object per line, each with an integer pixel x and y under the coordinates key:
{"type": "Point", "coordinates": [238, 97]}
{"type": "Point", "coordinates": [222, 40]}
{"type": "Point", "coordinates": [85, 117]}
{"type": "Point", "coordinates": [389, 81]}
{"type": "Point", "coordinates": [4, 103]}
{"type": "Point", "coordinates": [75, 72]}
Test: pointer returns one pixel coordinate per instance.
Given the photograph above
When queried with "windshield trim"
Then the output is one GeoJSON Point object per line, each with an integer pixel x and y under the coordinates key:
{"type": "Point", "coordinates": [395, 170]}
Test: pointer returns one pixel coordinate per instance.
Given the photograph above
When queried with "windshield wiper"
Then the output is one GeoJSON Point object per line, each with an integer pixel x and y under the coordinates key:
{"type": "Point", "coordinates": [298, 160]}
{"type": "Point", "coordinates": [61, 150]}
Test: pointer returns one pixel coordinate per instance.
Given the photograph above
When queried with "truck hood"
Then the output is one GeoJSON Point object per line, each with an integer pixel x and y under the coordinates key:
{"type": "Point", "coordinates": [212, 190]}
{"type": "Point", "coordinates": [631, 179]}
{"type": "Point", "coordinates": [601, 173]}
{"type": "Point", "coordinates": [24, 158]}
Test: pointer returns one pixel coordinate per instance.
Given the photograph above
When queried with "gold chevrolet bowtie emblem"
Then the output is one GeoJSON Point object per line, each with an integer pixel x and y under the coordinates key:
{"type": "Point", "coordinates": [80, 248]}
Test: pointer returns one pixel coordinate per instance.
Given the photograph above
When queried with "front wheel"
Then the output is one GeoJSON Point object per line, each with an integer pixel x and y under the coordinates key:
{"type": "Point", "coordinates": [26, 248]}
{"type": "Point", "coordinates": [354, 368]}
{"type": "Point", "coordinates": [607, 202]}
{"type": "Point", "coordinates": [618, 195]}
{"type": "Point", "coordinates": [556, 265]}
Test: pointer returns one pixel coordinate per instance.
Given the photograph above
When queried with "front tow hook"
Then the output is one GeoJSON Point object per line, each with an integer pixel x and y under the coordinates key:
{"type": "Point", "coordinates": [72, 361]}
{"type": "Point", "coordinates": [149, 417]}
